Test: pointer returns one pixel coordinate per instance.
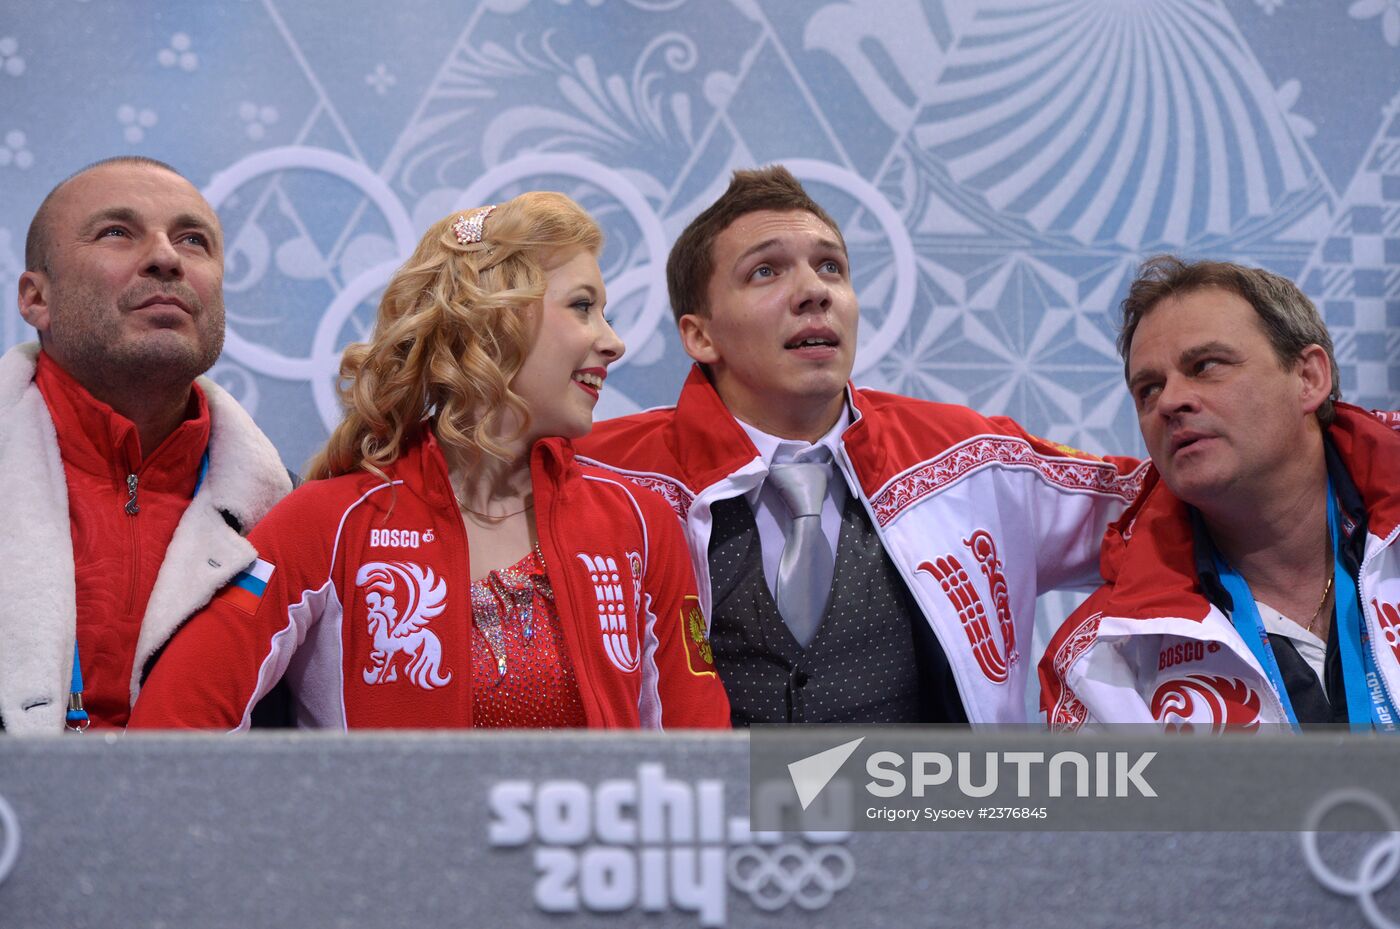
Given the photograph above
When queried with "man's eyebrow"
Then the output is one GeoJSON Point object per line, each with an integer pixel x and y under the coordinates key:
{"type": "Point", "coordinates": [754, 249]}
{"type": "Point", "coordinates": [825, 244]}
{"type": "Point", "coordinates": [1142, 375]}
{"type": "Point", "coordinates": [118, 214]}
{"type": "Point", "coordinates": [1194, 353]}
{"type": "Point", "coordinates": [195, 221]}
{"type": "Point", "coordinates": [125, 214]}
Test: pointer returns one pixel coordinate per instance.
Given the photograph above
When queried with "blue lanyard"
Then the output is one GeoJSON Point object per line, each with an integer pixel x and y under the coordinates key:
{"type": "Point", "coordinates": [1245, 616]}
{"type": "Point", "coordinates": [203, 473]}
{"type": "Point", "coordinates": [1368, 704]}
{"type": "Point", "coordinates": [77, 718]}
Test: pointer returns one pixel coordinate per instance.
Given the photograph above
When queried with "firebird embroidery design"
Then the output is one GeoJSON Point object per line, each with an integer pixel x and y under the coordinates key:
{"type": "Point", "coordinates": [956, 584]}
{"type": "Point", "coordinates": [1388, 614]}
{"type": "Point", "coordinates": [612, 611]}
{"type": "Point", "coordinates": [1224, 702]}
{"type": "Point", "coordinates": [401, 635]}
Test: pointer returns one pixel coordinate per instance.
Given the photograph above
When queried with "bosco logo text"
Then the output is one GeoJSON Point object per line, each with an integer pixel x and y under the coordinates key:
{"type": "Point", "coordinates": [398, 538]}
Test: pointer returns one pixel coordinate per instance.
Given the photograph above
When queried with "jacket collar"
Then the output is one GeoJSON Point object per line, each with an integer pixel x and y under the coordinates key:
{"type": "Point", "coordinates": [707, 441]}
{"type": "Point", "coordinates": [98, 440]}
{"type": "Point", "coordinates": [1367, 444]}
{"type": "Point", "coordinates": [423, 467]}
{"type": "Point", "coordinates": [38, 622]}
{"type": "Point", "coordinates": [1148, 558]}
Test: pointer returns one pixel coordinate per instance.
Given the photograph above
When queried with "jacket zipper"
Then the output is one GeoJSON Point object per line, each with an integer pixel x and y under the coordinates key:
{"type": "Point", "coordinates": [131, 508]}
{"type": "Point", "coordinates": [1366, 615]}
{"type": "Point", "coordinates": [582, 673]}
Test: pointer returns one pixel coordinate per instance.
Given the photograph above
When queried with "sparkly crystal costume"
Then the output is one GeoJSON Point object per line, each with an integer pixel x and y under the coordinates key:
{"type": "Point", "coordinates": [522, 677]}
{"type": "Point", "coordinates": [361, 599]}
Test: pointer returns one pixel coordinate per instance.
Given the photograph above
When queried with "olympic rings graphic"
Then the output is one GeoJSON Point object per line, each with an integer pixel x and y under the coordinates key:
{"type": "Point", "coordinates": [791, 873]}
{"type": "Point", "coordinates": [320, 365]}
{"type": "Point", "coordinates": [1377, 867]}
{"type": "Point", "coordinates": [325, 363]}
{"type": "Point", "coordinates": [9, 839]}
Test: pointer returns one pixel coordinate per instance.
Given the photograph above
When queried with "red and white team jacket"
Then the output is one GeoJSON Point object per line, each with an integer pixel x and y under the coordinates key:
{"type": "Point", "coordinates": [979, 516]}
{"type": "Point", "coordinates": [1148, 647]}
{"type": "Point", "coordinates": [366, 607]}
{"type": "Point", "coordinates": [38, 594]}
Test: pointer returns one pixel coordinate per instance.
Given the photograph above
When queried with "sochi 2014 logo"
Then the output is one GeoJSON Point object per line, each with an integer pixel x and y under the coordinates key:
{"type": "Point", "coordinates": [656, 844]}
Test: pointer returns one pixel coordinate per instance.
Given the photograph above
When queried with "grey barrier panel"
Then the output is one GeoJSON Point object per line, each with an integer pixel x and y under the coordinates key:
{"type": "Point", "coordinates": [583, 830]}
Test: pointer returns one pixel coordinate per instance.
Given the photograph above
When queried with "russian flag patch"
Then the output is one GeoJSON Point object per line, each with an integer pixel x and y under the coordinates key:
{"type": "Point", "coordinates": [246, 590]}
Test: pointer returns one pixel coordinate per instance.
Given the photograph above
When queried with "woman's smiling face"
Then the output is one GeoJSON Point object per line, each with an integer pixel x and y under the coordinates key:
{"type": "Point", "coordinates": [573, 347]}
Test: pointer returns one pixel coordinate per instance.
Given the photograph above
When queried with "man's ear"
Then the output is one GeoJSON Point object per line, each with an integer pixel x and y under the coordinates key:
{"type": "Point", "coordinates": [34, 299]}
{"type": "Point", "coordinates": [695, 338]}
{"type": "Point", "coordinates": [1315, 377]}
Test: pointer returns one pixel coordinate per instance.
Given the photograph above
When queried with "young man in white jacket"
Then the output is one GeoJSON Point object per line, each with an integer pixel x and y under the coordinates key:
{"type": "Point", "coordinates": [903, 589]}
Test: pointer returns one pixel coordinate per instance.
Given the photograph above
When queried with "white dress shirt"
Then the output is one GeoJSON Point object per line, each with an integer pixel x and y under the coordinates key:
{"type": "Point", "coordinates": [769, 511]}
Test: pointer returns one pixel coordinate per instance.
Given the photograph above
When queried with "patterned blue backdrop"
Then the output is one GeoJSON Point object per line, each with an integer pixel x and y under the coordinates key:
{"type": "Point", "coordinates": [1000, 166]}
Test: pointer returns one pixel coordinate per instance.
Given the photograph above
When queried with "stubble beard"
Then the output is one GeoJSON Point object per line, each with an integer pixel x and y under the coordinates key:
{"type": "Point", "coordinates": [81, 338]}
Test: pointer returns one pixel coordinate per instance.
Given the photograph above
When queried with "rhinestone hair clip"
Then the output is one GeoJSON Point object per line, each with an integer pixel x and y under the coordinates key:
{"type": "Point", "coordinates": [467, 228]}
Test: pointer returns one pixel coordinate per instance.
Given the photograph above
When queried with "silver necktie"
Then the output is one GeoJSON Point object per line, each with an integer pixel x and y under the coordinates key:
{"type": "Point", "coordinates": [804, 573]}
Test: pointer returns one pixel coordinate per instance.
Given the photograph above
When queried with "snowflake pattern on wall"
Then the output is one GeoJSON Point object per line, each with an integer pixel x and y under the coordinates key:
{"type": "Point", "coordinates": [999, 167]}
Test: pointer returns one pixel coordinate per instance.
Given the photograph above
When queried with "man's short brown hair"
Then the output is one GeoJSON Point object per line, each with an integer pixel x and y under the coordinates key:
{"type": "Point", "coordinates": [1289, 318]}
{"type": "Point", "coordinates": [691, 262]}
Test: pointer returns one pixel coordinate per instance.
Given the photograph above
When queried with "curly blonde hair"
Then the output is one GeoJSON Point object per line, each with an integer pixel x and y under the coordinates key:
{"type": "Point", "coordinates": [454, 327]}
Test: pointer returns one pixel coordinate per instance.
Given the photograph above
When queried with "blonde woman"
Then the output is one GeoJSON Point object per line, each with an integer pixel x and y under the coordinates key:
{"type": "Point", "coordinates": [449, 563]}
